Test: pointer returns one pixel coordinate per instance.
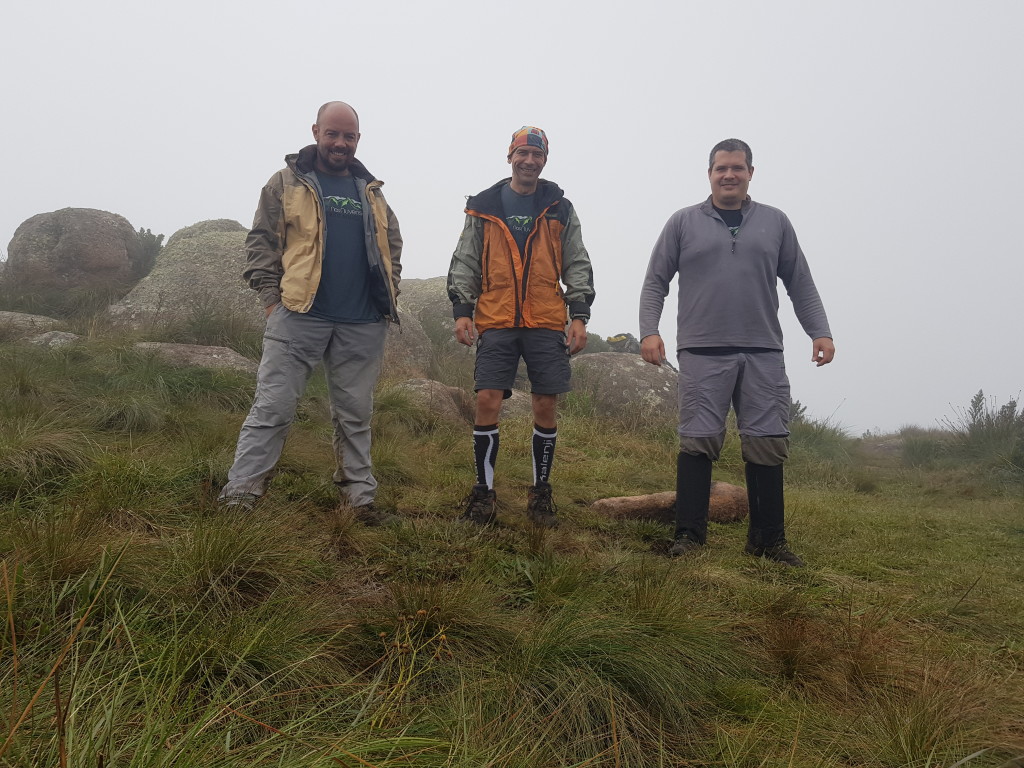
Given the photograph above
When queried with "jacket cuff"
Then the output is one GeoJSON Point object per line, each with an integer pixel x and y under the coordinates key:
{"type": "Point", "coordinates": [462, 310]}
{"type": "Point", "coordinates": [579, 309]}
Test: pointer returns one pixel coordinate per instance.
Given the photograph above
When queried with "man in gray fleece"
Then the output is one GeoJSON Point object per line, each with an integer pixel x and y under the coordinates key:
{"type": "Point", "coordinates": [730, 253]}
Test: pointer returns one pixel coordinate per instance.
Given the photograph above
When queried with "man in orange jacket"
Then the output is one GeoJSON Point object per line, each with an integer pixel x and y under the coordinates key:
{"type": "Point", "coordinates": [520, 245]}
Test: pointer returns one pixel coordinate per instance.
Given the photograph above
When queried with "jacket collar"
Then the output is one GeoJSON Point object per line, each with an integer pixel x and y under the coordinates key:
{"type": "Point", "coordinates": [489, 201]}
{"type": "Point", "coordinates": [302, 163]}
{"type": "Point", "coordinates": [708, 207]}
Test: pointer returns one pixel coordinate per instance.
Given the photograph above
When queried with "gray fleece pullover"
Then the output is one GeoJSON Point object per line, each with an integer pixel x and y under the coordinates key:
{"type": "Point", "coordinates": [728, 294]}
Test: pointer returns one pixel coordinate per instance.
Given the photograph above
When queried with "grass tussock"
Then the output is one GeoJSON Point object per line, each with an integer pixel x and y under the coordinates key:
{"type": "Point", "coordinates": [142, 626]}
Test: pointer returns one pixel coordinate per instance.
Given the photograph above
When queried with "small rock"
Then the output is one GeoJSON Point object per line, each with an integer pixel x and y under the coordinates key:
{"type": "Point", "coordinates": [55, 339]}
{"type": "Point", "coordinates": [447, 403]}
{"type": "Point", "coordinates": [18, 325]}
{"type": "Point", "coordinates": [193, 355]}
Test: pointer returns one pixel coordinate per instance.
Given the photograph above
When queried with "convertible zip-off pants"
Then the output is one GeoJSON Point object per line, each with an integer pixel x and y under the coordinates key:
{"type": "Point", "coordinates": [293, 344]}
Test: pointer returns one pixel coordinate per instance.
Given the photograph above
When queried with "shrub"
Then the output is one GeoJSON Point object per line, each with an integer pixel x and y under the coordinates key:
{"type": "Point", "coordinates": [151, 247]}
{"type": "Point", "coordinates": [988, 433]}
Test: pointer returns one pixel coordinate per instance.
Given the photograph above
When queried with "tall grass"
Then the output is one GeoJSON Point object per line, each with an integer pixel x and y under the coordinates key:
{"type": "Point", "coordinates": [144, 627]}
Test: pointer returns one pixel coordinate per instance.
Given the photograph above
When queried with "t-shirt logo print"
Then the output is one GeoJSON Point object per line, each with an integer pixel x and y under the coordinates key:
{"type": "Point", "coordinates": [520, 223]}
{"type": "Point", "coordinates": [345, 205]}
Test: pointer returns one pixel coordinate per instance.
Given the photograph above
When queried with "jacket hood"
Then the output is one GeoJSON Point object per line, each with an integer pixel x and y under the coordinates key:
{"type": "Point", "coordinates": [302, 162]}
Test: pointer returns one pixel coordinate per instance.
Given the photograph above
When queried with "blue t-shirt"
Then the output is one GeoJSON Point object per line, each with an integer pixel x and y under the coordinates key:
{"type": "Point", "coordinates": [343, 295]}
{"type": "Point", "coordinates": [520, 214]}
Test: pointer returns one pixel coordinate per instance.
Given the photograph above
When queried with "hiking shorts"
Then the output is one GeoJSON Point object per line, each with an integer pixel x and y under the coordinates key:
{"type": "Point", "coordinates": [545, 352]}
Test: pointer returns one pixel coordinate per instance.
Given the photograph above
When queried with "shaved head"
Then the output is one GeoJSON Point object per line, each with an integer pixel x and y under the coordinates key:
{"type": "Point", "coordinates": [332, 106]}
{"type": "Point", "coordinates": [336, 131]}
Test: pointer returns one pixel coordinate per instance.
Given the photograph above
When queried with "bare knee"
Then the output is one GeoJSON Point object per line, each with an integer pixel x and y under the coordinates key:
{"type": "Point", "coordinates": [488, 405]}
{"type": "Point", "coordinates": [544, 408]}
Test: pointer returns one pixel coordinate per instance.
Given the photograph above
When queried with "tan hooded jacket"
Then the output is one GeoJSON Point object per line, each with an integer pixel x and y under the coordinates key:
{"type": "Point", "coordinates": [284, 249]}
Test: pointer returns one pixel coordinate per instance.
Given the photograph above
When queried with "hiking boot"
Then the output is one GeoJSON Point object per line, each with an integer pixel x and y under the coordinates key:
{"type": "Point", "coordinates": [480, 506]}
{"type": "Point", "coordinates": [540, 507]}
{"type": "Point", "coordinates": [369, 515]}
{"type": "Point", "coordinates": [779, 553]}
{"type": "Point", "coordinates": [684, 545]}
{"type": "Point", "coordinates": [242, 502]}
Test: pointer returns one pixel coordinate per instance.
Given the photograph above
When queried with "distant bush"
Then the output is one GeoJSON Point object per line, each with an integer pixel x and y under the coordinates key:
{"type": "Point", "coordinates": [151, 247]}
{"type": "Point", "coordinates": [797, 412]}
{"type": "Point", "coordinates": [596, 344]}
{"type": "Point", "coordinates": [988, 433]}
{"type": "Point", "coordinates": [922, 448]}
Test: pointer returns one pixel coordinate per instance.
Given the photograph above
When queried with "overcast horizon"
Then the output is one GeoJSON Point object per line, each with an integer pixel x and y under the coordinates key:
{"type": "Point", "coordinates": [881, 129]}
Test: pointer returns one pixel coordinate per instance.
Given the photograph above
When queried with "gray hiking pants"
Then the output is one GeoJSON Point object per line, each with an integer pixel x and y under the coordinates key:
{"type": "Point", "coordinates": [755, 383]}
{"type": "Point", "coordinates": [293, 344]}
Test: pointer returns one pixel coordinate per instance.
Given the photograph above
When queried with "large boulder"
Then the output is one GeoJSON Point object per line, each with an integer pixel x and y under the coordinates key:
{"type": "Point", "coordinates": [197, 278]}
{"type": "Point", "coordinates": [206, 227]}
{"type": "Point", "coordinates": [75, 249]}
{"type": "Point", "coordinates": [728, 505]}
{"type": "Point", "coordinates": [625, 387]}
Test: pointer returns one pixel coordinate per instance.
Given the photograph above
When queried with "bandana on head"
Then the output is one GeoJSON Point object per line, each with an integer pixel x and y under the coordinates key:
{"type": "Point", "coordinates": [528, 136]}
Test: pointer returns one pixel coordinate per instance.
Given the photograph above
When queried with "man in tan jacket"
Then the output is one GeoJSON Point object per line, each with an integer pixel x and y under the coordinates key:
{"type": "Point", "coordinates": [324, 253]}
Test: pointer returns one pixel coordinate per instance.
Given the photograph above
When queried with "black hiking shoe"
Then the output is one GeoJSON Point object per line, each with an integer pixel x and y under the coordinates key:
{"type": "Point", "coordinates": [779, 553]}
{"type": "Point", "coordinates": [480, 506]}
{"type": "Point", "coordinates": [243, 502]}
{"type": "Point", "coordinates": [370, 515]}
{"type": "Point", "coordinates": [684, 545]}
{"type": "Point", "coordinates": [540, 507]}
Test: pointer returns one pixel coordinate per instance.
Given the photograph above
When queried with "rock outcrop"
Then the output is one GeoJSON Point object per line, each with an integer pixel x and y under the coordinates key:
{"type": "Point", "coordinates": [75, 249]}
{"type": "Point", "coordinates": [728, 505]}
{"type": "Point", "coordinates": [197, 278]}
{"type": "Point", "coordinates": [624, 386]}
{"type": "Point", "coordinates": [427, 299]}
{"type": "Point", "coordinates": [206, 227]}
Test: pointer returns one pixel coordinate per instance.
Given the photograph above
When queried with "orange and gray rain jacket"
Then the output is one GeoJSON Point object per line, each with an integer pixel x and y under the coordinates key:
{"type": "Point", "coordinates": [285, 248]}
{"type": "Point", "coordinates": [499, 286]}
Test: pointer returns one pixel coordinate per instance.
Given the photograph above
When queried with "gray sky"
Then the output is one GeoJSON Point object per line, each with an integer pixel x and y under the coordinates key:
{"type": "Point", "coordinates": [885, 130]}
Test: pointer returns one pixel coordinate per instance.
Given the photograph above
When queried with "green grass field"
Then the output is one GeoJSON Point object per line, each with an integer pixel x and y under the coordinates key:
{"type": "Point", "coordinates": [144, 627]}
